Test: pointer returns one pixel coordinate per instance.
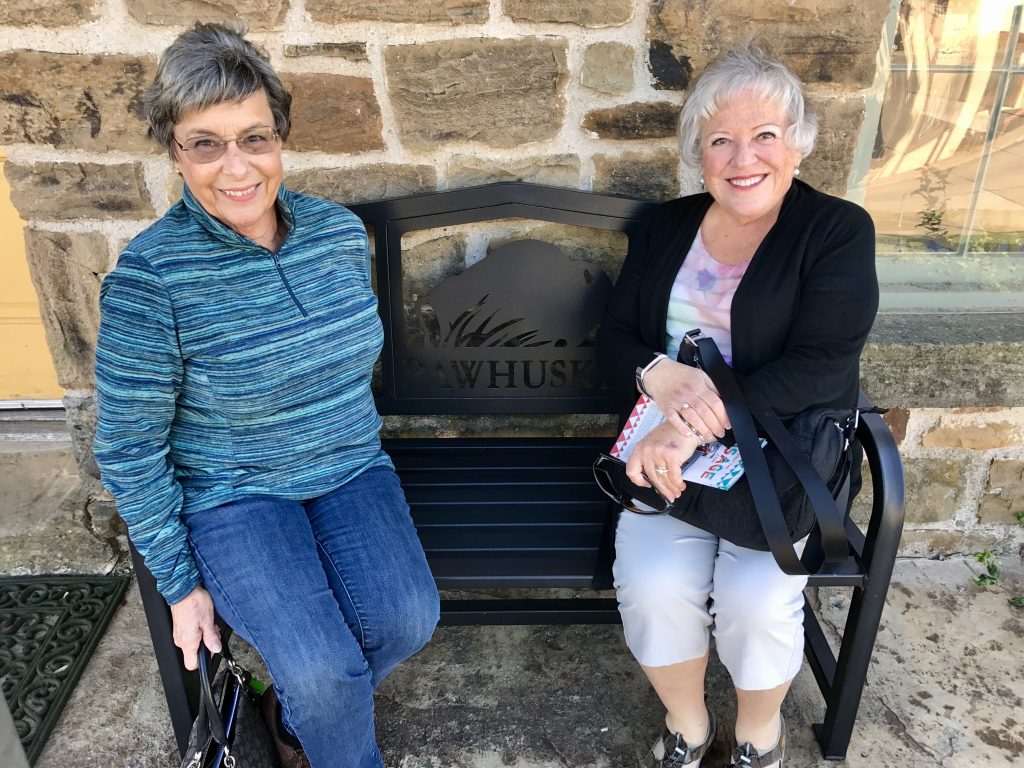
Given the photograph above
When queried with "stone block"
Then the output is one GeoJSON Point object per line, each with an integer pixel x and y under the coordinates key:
{"type": "Point", "coordinates": [601, 247]}
{"type": "Point", "coordinates": [502, 93]}
{"type": "Point", "coordinates": [941, 375]}
{"type": "Point", "coordinates": [608, 67]}
{"type": "Point", "coordinates": [65, 269]}
{"type": "Point", "coordinates": [333, 113]}
{"type": "Point", "coordinates": [80, 411]}
{"type": "Point", "coordinates": [594, 13]}
{"type": "Point", "coordinates": [255, 14]}
{"type": "Point", "coordinates": [553, 170]}
{"type": "Point", "coordinates": [364, 183]}
{"type": "Point", "coordinates": [647, 176]}
{"type": "Point", "coordinates": [839, 119]}
{"type": "Point", "coordinates": [897, 419]}
{"type": "Point", "coordinates": [74, 101]}
{"type": "Point", "coordinates": [942, 542]}
{"type": "Point", "coordinates": [346, 51]}
{"type": "Point", "coordinates": [832, 41]}
{"type": "Point", "coordinates": [424, 267]}
{"type": "Point", "coordinates": [934, 488]}
{"type": "Point", "coordinates": [47, 13]}
{"type": "Point", "coordinates": [437, 11]}
{"type": "Point", "coordinates": [976, 432]}
{"type": "Point", "coordinates": [1004, 495]}
{"type": "Point", "coordinates": [103, 518]}
{"type": "Point", "coordinates": [639, 120]}
{"type": "Point", "coordinates": [67, 191]}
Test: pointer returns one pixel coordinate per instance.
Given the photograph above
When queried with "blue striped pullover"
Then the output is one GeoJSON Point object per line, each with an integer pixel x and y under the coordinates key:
{"type": "Point", "coordinates": [224, 370]}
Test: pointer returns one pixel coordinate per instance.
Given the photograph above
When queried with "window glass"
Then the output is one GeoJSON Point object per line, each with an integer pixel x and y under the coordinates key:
{"type": "Point", "coordinates": [944, 183]}
{"type": "Point", "coordinates": [998, 225]}
{"type": "Point", "coordinates": [927, 155]}
{"type": "Point", "coordinates": [952, 32]}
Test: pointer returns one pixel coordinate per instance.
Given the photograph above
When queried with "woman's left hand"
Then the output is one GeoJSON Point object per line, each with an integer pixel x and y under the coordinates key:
{"type": "Point", "coordinates": [659, 458]}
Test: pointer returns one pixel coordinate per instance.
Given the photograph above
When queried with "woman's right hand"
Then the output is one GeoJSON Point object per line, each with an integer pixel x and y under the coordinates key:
{"type": "Point", "coordinates": [688, 399]}
{"type": "Point", "coordinates": [194, 624]}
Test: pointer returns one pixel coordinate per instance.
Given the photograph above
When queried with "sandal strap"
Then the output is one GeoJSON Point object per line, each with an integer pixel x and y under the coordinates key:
{"type": "Point", "coordinates": [745, 756]}
{"type": "Point", "coordinates": [678, 752]}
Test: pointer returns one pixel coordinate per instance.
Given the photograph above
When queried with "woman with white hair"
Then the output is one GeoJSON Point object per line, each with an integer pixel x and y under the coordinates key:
{"type": "Point", "coordinates": [782, 277]}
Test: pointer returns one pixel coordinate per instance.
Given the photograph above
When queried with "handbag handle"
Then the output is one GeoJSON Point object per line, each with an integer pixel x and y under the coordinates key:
{"type": "Point", "coordinates": [745, 405]}
{"type": "Point", "coordinates": [214, 721]}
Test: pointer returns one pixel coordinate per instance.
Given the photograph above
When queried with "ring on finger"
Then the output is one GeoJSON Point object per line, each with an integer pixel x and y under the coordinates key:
{"type": "Point", "coordinates": [661, 470]}
{"type": "Point", "coordinates": [684, 407]}
{"type": "Point", "coordinates": [695, 432]}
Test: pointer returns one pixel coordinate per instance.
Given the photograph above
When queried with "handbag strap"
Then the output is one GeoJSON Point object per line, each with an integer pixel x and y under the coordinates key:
{"type": "Point", "coordinates": [214, 721]}
{"type": "Point", "coordinates": [744, 405]}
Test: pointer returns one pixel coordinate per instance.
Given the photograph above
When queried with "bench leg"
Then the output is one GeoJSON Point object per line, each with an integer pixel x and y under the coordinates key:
{"type": "Point", "coordinates": [180, 685]}
{"type": "Point", "coordinates": [842, 697]}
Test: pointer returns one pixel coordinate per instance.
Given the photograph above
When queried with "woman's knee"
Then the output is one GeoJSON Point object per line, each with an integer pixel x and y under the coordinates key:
{"type": "Point", "coordinates": [407, 624]}
{"type": "Point", "coordinates": [655, 585]}
{"type": "Point", "coordinates": [749, 595]}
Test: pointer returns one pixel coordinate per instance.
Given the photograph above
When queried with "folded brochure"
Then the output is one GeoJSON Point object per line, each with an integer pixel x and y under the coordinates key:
{"type": "Point", "coordinates": [714, 464]}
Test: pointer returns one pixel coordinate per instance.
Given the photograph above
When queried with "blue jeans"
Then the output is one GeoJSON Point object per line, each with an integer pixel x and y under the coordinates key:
{"type": "Point", "coordinates": [333, 592]}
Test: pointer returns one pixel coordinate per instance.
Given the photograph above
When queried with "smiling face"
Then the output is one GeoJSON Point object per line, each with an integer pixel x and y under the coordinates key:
{"type": "Point", "coordinates": [747, 166]}
{"type": "Point", "coordinates": [238, 188]}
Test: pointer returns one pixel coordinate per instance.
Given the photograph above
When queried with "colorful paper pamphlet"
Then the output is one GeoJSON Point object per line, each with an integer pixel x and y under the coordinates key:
{"type": "Point", "coordinates": [714, 464]}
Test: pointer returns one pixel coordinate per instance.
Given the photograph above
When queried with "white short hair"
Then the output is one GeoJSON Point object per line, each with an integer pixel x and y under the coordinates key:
{"type": "Point", "coordinates": [748, 67]}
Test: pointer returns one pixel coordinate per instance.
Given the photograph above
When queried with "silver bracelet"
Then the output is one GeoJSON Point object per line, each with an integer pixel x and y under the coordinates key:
{"type": "Point", "coordinates": [641, 372]}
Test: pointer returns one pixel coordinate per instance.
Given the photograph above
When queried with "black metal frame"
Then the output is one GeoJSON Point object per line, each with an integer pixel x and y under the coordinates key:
{"type": "Point", "coordinates": [840, 677]}
{"type": "Point", "coordinates": [391, 219]}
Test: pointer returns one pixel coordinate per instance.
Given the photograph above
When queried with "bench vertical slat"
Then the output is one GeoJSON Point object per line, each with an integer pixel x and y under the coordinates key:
{"type": "Point", "coordinates": [181, 688]}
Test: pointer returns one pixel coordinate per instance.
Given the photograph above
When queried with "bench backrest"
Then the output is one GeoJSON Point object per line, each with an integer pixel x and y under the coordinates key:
{"type": "Point", "coordinates": [512, 333]}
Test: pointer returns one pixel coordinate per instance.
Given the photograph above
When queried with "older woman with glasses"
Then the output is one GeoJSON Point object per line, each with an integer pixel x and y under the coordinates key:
{"type": "Point", "coordinates": [237, 430]}
{"type": "Point", "coordinates": [782, 277]}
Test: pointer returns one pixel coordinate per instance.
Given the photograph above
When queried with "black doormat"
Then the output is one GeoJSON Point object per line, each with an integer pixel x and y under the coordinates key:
{"type": "Point", "coordinates": [49, 627]}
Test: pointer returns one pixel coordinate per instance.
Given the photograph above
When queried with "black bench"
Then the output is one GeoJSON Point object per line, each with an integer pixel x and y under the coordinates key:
{"type": "Point", "coordinates": [524, 512]}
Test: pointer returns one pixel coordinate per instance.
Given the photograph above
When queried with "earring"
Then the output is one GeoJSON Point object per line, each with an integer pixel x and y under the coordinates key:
{"type": "Point", "coordinates": [796, 171]}
{"type": "Point", "coordinates": [702, 181]}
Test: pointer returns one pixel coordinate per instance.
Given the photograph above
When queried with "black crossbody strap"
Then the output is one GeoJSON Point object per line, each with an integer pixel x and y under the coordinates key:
{"type": "Point", "coordinates": [745, 406]}
{"type": "Point", "coordinates": [830, 519]}
{"type": "Point", "coordinates": [766, 501]}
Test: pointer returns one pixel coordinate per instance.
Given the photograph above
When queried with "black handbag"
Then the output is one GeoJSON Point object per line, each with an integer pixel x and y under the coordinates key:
{"type": "Point", "coordinates": [799, 482]}
{"type": "Point", "coordinates": [229, 731]}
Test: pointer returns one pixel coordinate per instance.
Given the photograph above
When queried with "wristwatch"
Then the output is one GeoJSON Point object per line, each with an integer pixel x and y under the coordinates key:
{"type": "Point", "coordinates": [642, 371]}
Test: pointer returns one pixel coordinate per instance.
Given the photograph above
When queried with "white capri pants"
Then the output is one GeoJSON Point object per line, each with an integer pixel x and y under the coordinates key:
{"type": "Point", "coordinates": [666, 570]}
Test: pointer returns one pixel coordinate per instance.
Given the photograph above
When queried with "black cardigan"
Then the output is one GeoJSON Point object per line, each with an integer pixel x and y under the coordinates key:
{"type": "Point", "coordinates": [800, 316]}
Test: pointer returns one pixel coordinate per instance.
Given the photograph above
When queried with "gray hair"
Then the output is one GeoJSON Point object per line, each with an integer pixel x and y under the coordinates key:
{"type": "Point", "coordinates": [749, 66]}
{"type": "Point", "coordinates": [206, 65]}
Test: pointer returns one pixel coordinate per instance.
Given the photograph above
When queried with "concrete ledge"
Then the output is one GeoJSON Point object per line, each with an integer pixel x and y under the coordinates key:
{"type": "Point", "coordinates": [945, 360]}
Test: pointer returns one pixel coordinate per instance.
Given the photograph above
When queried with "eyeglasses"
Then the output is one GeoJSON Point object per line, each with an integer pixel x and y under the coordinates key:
{"type": "Point", "coordinates": [207, 149]}
{"type": "Point", "coordinates": [610, 474]}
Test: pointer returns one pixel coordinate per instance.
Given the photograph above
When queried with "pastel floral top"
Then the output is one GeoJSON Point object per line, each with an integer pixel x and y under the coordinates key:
{"type": "Point", "coordinates": [702, 298]}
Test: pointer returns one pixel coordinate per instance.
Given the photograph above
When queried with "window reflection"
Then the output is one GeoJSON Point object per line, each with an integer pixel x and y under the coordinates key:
{"type": "Point", "coordinates": [999, 221]}
{"type": "Point", "coordinates": [927, 154]}
{"type": "Point", "coordinates": [952, 32]}
{"type": "Point", "coordinates": [945, 171]}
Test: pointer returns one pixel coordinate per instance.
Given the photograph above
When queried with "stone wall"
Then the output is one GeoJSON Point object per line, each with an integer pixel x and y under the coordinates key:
{"type": "Point", "coordinates": [399, 96]}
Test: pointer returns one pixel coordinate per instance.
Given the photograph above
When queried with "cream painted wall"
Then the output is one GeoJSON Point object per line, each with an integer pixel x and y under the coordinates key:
{"type": "Point", "coordinates": [26, 369]}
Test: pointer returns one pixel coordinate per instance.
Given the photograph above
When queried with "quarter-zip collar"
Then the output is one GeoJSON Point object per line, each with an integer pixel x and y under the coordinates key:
{"type": "Point", "coordinates": [218, 229]}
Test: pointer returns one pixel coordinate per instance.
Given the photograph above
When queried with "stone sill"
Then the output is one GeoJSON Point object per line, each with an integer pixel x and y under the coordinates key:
{"type": "Point", "coordinates": [945, 360]}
